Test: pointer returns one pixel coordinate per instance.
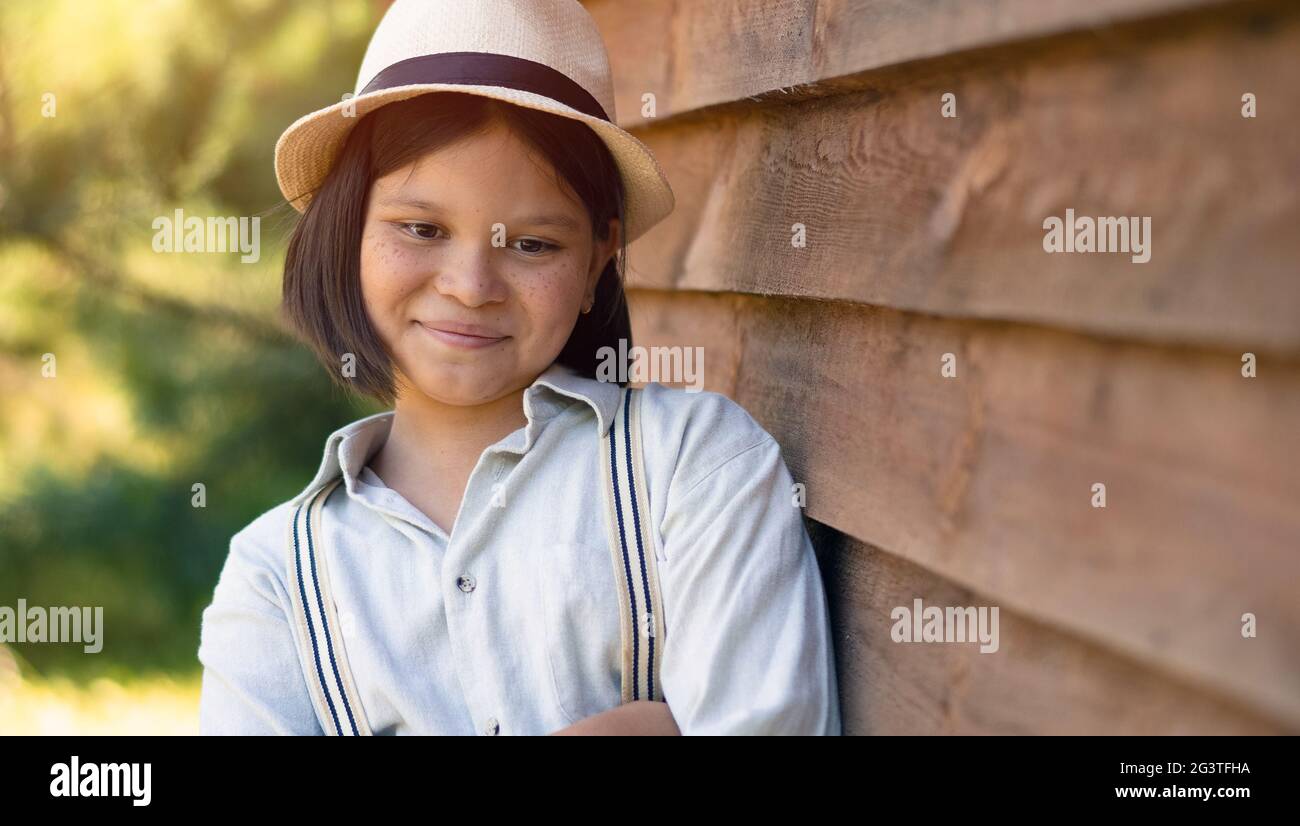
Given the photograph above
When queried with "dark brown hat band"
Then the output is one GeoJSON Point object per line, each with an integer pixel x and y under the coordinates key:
{"type": "Point", "coordinates": [487, 69]}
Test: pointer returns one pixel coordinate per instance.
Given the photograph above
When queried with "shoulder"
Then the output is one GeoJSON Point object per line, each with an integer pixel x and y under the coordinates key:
{"type": "Point", "coordinates": [700, 413]}
{"type": "Point", "coordinates": [262, 544]}
{"type": "Point", "coordinates": [697, 432]}
{"type": "Point", "coordinates": [257, 556]}
{"type": "Point", "coordinates": [263, 539]}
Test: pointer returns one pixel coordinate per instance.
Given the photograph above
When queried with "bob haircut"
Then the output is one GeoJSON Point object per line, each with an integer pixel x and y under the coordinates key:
{"type": "Point", "coordinates": [322, 297]}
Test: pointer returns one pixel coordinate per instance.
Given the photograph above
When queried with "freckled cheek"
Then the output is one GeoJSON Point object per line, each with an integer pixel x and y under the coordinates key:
{"type": "Point", "coordinates": [550, 292]}
{"type": "Point", "coordinates": [549, 297]}
{"type": "Point", "coordinates": [389, 273]}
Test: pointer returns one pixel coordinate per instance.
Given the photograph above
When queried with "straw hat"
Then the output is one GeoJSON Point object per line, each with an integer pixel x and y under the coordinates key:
{"type": "Point", "coordinates": [541, 54]}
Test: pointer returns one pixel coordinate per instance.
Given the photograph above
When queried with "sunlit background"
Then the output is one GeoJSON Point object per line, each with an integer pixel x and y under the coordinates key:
{"type": "Point", "coordinates": [169, 369]}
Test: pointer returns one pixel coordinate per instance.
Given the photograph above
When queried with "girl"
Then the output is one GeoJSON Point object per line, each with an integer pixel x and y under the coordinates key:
{"type": "Point", "coordinates": [448, 570]}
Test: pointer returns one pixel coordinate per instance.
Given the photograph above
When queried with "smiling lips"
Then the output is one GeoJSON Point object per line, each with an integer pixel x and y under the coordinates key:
{"type": "Point", "coordinates": [464, 336]}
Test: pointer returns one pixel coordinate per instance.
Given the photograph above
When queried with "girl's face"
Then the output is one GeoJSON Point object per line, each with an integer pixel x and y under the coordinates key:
{"type": "Point", "coordinates": [465, 320]}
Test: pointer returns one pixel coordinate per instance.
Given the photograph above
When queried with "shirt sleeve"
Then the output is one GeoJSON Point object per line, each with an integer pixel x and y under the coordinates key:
{"type": "Point", "coordinates": [252, 679]}
{"type": "Point", "coordinates": [748, 646]}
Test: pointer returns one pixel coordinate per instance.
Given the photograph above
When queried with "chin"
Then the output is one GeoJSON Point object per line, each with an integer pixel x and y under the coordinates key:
{"type": "Point", "coordinates": [461, 384]}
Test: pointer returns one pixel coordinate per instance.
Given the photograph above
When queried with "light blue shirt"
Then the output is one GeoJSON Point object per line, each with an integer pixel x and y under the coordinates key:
{"type": "Point", "coordinates": [535, 645]}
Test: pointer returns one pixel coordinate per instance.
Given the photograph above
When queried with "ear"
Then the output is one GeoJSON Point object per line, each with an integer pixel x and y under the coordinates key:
{"type": "Point", "coordinates": [601, 253]}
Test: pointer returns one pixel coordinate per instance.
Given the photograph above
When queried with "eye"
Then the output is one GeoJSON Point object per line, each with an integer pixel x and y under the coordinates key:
{"type": "Point", "coordinates": [540, 247]}
{"type": "Point", "coordinates": [416, 229]}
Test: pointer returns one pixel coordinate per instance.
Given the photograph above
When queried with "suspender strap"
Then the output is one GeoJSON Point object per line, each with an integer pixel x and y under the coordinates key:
{"type": "Point", "coordinates": [320, 640]}
{"type": "Point", "coordinates": [632, 548]}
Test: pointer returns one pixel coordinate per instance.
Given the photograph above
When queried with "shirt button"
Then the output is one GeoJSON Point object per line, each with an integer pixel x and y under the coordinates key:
{"type": "Point", "coordinates": [492, 727]}
{"type": "Point", "coordinates": [465, 582]}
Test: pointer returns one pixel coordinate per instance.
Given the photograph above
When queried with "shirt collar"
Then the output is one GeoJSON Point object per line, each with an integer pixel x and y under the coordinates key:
{"type": "Point", "coordinates": [350, 448]}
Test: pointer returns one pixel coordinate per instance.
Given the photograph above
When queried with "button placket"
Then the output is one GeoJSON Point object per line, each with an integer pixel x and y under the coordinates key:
{"type": "Point", "coordinates": [466, 619]}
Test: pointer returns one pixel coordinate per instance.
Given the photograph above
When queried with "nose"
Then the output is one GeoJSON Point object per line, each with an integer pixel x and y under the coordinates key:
{"type": "Point", "coordinates": [467, 272]}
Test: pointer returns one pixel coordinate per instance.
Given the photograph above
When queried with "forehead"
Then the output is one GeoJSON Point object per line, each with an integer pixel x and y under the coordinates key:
{"type": "Point", "coordinates": [493, 169]}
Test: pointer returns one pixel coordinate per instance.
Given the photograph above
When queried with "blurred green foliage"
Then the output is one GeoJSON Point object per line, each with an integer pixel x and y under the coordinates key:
{"type": "Point", "coordinates": [172, 369]}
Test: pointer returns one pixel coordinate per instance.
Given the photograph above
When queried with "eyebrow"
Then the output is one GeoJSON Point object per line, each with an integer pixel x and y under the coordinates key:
{"type": "Point", "coordinates": [552, 219]}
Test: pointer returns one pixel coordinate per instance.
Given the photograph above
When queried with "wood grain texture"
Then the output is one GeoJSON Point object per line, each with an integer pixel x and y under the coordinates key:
{"type": "Point", "coordinates": [696, 53]}
{"type": "Point", "coordinates": [909, 210]}
{"type": "Point", "coordinates": [986, 479]}
{"type": "Point", "coordinates": [1041, 680]}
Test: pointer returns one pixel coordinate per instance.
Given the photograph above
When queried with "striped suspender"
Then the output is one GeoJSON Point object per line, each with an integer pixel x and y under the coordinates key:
{"type": "Point", "coordinates": [320, 641]}
{"type": "Point", "coordinates": [632, 547]}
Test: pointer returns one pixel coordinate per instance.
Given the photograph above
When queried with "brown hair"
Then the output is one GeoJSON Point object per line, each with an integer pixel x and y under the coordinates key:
{"type": "Point", "coordinates": [322, 270]}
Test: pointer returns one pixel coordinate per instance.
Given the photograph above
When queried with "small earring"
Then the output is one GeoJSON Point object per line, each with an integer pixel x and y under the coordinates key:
{"type": "Point", "coordinates": [587, 308]}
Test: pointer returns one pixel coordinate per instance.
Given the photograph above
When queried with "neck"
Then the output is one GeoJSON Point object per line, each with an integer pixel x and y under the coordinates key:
{"type": "Point", "coordinates": [429, 438]}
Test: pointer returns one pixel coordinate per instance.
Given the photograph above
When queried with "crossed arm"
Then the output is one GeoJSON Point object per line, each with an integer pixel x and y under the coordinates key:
{"type": "Point", "coordinates": [639, 717]}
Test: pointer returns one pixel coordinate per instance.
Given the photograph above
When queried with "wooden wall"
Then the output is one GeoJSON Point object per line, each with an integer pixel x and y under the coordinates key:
{"type": "Point", "coordinates": [925, 237]}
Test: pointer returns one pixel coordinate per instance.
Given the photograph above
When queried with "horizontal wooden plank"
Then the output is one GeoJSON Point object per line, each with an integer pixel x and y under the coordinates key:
{"type": "Point", "coordinates": [906, 209]}
{"type": "Point", "coordinates": [987, 478]}
{"type": "Point", "coordinates": [1040, 680]}
{"type": "Point", "coordinates": [705, 52]}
